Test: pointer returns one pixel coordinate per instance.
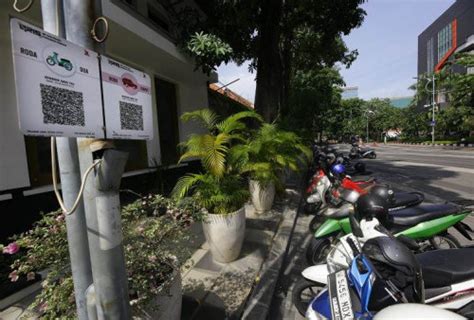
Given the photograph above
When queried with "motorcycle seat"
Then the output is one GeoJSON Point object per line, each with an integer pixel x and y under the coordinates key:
{"type": "Point", "coordinates": [363, 180]}
{"type": "Point", "coordinates": [414, 215]}
{"type": "Point", "coordinates": [446, 267]}
{"type": "Point", "coordinates": [406, 199]}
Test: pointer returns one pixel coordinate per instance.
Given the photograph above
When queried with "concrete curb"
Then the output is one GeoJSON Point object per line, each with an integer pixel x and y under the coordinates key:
{"type": "Point", "coordinates": [261, 297]}
{"type": "Point", "coordinates": [469, 145]}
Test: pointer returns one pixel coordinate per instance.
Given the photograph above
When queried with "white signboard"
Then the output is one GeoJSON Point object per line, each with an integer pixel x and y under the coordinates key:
{"type": "Point", "coordinates": [127, 101]}
{"type": "Point", "coordinates": [57, 85]}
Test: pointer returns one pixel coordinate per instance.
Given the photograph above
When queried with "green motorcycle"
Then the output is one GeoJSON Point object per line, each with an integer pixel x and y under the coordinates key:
{"type": "Point", "coordinates": [53, 60]}
{"type": "Point", "coordinates": [427, 224]}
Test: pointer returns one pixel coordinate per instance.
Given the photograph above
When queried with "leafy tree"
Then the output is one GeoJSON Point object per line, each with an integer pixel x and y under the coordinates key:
{"type": "Point", "coordinates": [270, 33]}
{"type": "Point", "coordinates": [313, 93]}
{"type": "Point", "coordinates": [459, 86]}
{"type": "Point", "coordinates": [457, 118]}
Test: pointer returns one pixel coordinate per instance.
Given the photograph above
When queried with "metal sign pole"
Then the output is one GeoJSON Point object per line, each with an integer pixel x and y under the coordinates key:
{"type": "Point", "coordinates": [70, 184]}
{"type": "Point", "coordinates": [101, 200]}
{"type": "Point", "coordinates": [433, 114]}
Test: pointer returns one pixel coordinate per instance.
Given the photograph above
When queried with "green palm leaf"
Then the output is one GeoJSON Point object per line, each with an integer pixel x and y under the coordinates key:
{"type": "Point", "coordinates": [185, 184]}
{"type": "Point", "coordinates": [215, 153]}
{"type": "Point", "coordinates": [206, 116]}
{"type": "Point", "coordinates": [233, 122]}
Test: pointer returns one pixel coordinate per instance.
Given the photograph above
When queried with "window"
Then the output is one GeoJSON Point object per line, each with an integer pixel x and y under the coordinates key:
{"type": "Point", "coordinates": [445, 40]}
{"type": "Point", "coordinates": [158, 18]}
{"type": "Point", "coordinates": [131, 3]}
{"type": "Point", "coordinates": [38, 152]}
{"type": "Point", "coordinates": [167, 113]}
{"type": "Point", "coordinates": [430, 56]}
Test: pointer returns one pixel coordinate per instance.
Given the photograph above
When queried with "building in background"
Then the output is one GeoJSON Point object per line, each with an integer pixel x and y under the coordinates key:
{"type": "Point", "coordinates": [451, 32]}
{"type": "Point", "coordinates": [350, 93]}
{"type": "Point", "coordinates": [401, 102]}
{"type": "Point", "coordinates": [448, 33]}
{"type": "Point", "coordinates": [142, 36]}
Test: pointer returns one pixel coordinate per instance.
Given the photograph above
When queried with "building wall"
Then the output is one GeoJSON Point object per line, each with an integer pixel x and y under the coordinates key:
{"type": "Point", "coordinates": [350, 93]}
{"type": "Point", "coordinates": [132, 41]}
{"type": "Point", "coordinates": [463, 12]}
{"type": "Point", "coordinates": [401, 102]}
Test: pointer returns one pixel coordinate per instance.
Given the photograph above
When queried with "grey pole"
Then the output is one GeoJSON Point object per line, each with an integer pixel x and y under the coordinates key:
{"type": "Point", "coordinates": [433, 114]}
{"type": "Point", "coordinates": [367, 126]}
{"type": "Point", "coordinates": [101, 199]}
{"type": "Point", "coordinates": [111, 284]}
{"type": "Point", "coordinates": [70, 184]}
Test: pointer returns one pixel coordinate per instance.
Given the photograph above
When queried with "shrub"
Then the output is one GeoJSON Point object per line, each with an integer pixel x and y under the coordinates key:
{"type": "Point", "coordinates": [154, 230]}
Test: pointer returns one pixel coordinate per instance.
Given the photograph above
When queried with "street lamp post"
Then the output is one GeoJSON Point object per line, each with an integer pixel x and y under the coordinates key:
{"type": "Point", "coordinates": [433, 105]}
{"type": "Point", "coordinates": [433, 114]}
{"type": "Point", "coordinates": [368, 112]}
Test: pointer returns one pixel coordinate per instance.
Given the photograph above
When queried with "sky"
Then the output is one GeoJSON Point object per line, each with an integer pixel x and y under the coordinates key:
{"type": "Point", "coordinates": [387, 43]}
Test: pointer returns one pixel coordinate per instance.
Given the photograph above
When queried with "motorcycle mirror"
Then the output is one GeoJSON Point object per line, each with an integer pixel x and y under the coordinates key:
{"type": "Point", "coordinates": [355, 226]}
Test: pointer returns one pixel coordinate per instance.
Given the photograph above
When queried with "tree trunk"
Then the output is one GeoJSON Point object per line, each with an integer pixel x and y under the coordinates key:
{"type": "Point", "coordinates": [286, 74]}
{"type": "Point", "coordinates": [269, 89]}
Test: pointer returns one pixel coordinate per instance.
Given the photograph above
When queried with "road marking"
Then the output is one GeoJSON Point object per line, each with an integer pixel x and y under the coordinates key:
{"type": "Point", "coordinates": [454, 169]}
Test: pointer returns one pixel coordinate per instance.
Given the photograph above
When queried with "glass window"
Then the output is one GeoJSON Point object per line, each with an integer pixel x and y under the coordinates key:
{"type": "Point", "coordinates": [444, 41]}
{"type": "Point", "coordinates": [430, 55]}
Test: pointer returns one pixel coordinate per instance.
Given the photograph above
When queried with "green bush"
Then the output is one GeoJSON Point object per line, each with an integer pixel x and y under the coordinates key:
{"type": "Point", "coordinates": [155, 232]}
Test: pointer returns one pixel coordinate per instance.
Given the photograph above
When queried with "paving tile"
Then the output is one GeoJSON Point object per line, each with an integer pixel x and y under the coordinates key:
{"type": "Point", "coordinates": [254, 223]}
{"type": "Point", "coordinates": [254, 250]}
{"type": "Point", "coordinates": [207, 263]}
{"type": "Point", "coordinates": [259, 236]}
{"type": "Point", "coordinates": [198, 283]}
{"type": "Point", "coordinates": [191, 262]}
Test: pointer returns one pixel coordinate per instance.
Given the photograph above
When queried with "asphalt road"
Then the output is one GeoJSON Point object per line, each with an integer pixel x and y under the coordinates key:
{"type": "Point", "coordinates": [443, 174]}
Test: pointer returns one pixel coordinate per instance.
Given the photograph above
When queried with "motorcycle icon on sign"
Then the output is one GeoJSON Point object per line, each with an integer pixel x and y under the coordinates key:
{"type": "Point", "coordinates": [129, 83]}
{"type": "Point", "coordinates": [54, 60]}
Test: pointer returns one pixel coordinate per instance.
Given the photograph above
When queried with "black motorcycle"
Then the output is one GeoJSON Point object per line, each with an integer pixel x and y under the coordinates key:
{"type": "Point", "coordinates": [358, 152]}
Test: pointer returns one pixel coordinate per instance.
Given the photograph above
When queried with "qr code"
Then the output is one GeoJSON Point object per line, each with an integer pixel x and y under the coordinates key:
{"type": "Point", "coordinates": [131, 116]}
{"type": "Point", "coordinates": [62, 106]}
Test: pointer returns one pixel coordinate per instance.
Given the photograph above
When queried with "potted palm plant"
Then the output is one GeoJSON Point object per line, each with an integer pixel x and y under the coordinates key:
{"type": "Point", "coordinates": [220, 188]}
{"type": "Point", "coordinates": [268, 153]}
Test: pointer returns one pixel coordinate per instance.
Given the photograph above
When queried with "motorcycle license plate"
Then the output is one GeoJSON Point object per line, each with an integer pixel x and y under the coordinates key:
{"type": "Point", "coordinates": [340, 297]}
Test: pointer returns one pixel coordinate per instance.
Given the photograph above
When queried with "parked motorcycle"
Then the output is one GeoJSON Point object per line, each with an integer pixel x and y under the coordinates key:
{"type": "Point", "coordinates": [385, 272]}
{"type": "Point", "coordinates": [325, 201]}
{"type": "Point", "coordinates": [425, 223]}
{"type": "Point", "coordinates": [444, 272]}
{"type": "Point", "coordinates": [357, 152]}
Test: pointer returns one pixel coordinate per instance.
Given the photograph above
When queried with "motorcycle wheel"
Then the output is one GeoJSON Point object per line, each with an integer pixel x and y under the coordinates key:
{"type": "Point", "coordinates": [315, 223]}
{"type": "Point", "coordinates": [303, 292]}
{"type": "Point", "coordinates": [445, 241]}
{"type": "Point", "coordinates": [318, 250]}
{"type": "Point", "coordinates": [50, 61]}
{"type": "Point", "coordinates": [373, 156]}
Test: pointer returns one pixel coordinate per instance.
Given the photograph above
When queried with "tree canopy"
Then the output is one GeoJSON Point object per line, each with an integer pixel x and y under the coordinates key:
{"type": "Point", "coordinates": [279, 38]}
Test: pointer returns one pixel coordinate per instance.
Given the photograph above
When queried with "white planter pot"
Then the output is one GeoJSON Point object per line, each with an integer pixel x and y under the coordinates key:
{"type": "Point", "coordinates": [225, 234]}
{"type": "Point", "coordinates": [262, 196]}
{"type": "Point", "coordinates": [166, 306]}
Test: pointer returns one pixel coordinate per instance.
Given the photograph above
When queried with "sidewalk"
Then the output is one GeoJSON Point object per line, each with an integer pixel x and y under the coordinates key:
{"type": "Point", "coordinates": [221, 291]}
{"type": "Point", "coordinates": [242, 289]}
